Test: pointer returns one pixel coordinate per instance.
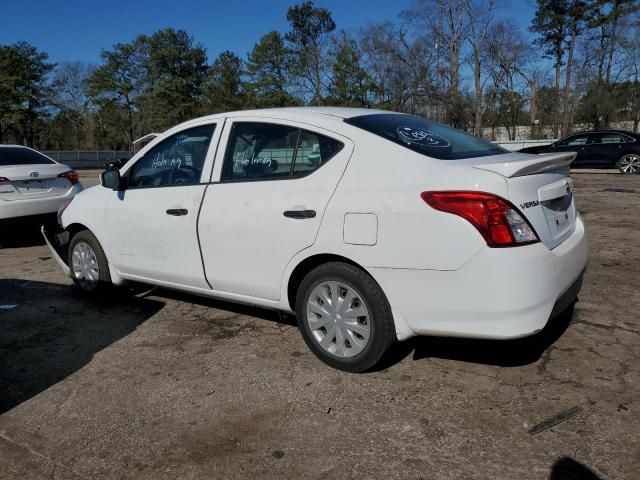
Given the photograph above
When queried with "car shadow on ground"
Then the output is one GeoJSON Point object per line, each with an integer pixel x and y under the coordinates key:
{"type": "Point", "coordinates": [504, 353]}
{"type": "Point", "coordinates": [54, 331]}
{"type": "Point", "coordinates": [567, 468]}
{"type": "Point", "coordinates": [23, 233]}
{"type": "Point", "coordinates": [238, 308]}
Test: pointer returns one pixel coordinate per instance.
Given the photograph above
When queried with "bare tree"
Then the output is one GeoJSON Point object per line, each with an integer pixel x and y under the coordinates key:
{"type": "Point", "coordinates": [70, 95]}
{"type": "Point", "coordinates": [508, 57]}
{"type": "Point", "coordinates": [480, 13]}
{"type": "Point", "coordinates": [447, 21]}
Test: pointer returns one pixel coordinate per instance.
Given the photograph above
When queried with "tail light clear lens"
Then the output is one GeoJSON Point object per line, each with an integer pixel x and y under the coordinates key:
{"type": "Point", "coordinates": [497, 220]}
{"type": "Point", "coordinates": [72, 176]}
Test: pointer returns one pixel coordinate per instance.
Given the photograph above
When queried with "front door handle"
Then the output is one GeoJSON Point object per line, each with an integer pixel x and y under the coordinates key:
{"type": "Point", "coordinates": [177, 212]}
{"type": "Point", "coordinates": [300, 213]}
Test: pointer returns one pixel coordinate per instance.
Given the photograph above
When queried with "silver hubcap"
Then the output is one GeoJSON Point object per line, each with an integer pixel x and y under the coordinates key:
{"type": "Point", "coordinates": [85, 266]}
{"type": "Point", "coordinates": [338, 319]}
{"type": "Point", "coordinates": [630, 164]}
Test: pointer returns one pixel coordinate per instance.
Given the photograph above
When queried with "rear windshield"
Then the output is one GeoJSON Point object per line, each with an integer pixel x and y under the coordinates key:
{"type": "Point", "coordinates": [423, 136]}
{"type": "Point", "coordinates": [22, 156]}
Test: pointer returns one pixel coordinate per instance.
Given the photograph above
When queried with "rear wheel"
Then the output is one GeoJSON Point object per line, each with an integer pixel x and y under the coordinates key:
{"type": "Point", "coordinates": [344, 317]}
{"type": "Point", "coordinates": [629, 163]}
{"type": "Point", "coordinates": [88, 263]}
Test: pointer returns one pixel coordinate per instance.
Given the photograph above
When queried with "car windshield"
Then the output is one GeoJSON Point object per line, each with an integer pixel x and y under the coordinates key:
{"type": "Point", "coordinates": [426, 137]}
{"type": "Point", "coordinates": [22, 156]}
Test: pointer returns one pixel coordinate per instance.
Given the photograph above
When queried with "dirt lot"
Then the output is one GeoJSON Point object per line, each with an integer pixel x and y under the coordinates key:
{"type": "Point", "coordinates": [161, 385]}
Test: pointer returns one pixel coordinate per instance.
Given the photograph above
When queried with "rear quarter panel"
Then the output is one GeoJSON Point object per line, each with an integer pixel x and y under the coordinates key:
{"type": "Point", "coordinates": [386, 180]}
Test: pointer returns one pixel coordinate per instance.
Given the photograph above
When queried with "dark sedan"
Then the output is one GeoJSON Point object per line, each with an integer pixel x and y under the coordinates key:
{"type": "Point", "coordinates": [599, 149]}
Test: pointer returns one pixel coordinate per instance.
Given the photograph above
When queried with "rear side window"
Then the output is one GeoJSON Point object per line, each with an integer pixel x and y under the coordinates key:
{"type": "Point", "coordinates": [22, 156]}
{"type": "Point", "coordinates": [611, 138]}
{"type": "Point", "coordinates": [265, 151]}
{"type": "Point", "coordinates": [423, 136]}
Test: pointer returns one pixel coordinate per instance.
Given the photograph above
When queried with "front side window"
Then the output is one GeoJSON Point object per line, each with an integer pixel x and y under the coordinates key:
{"type": "Point", "coordinates": [574, 140]}
{"type": "Point", "coordinates": [177, 160]}
{"type": "Point", "coordinates": [426, 137]}
{"type": "Point", "coordinates": [265, 151]}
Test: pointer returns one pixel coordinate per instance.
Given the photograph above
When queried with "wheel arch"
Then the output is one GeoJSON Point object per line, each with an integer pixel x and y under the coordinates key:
{"type": "Point", "coordinates": [308, 264]}
{"type": "Point", "coordinates": [76, 227]}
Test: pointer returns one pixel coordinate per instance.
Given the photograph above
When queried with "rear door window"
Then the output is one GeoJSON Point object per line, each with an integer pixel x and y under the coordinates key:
{"type": "Point", "coordinates": [267, 151]}
{"type": "Point", "coordinates": [426, 137]}
{"type": "Point", "coordinates": [22, 156]}
{"type": "Point", "coordinates": [611, 138]}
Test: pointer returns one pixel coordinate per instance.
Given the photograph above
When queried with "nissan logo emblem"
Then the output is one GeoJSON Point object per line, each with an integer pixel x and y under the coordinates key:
{"type": "Point", "coordinates": [34, 174]}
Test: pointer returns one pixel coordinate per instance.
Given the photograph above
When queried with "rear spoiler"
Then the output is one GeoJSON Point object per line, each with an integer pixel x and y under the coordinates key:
{"type": "Point", "coordinates": [535, 164]}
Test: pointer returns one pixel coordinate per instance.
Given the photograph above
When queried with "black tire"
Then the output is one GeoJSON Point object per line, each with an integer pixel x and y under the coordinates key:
{"type": "Point", "coordinates": [104, 277]}
{"type": "Point", "coordinates": [380, 320]}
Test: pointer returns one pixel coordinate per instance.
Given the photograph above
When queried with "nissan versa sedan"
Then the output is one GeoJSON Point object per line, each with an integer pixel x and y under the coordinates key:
{"type": "Point", "coordinates": [371, 226]}
{"type": "Point", "coordinates": [598, 149]}
{"type": "Point", "coordinates": [32, 184]}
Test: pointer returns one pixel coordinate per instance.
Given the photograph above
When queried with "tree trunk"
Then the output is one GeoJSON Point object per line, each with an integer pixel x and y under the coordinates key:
{"type": "Point", "coordinates": [477, 129]}
{"type": "Point", "coordinates": [533, 109]}
{"type": "Point", "coordinates": [556, 113]}
{"type": "Point", "coordinates": [567, 82]}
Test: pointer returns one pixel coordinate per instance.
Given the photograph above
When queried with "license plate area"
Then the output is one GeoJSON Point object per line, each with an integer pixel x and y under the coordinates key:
{"type": "Point", "coordinates": [560, 214]}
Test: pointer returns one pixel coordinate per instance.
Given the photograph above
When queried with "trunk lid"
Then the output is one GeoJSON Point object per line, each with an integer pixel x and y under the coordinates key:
{"type": "Point", "coordinates": [541, 188]}
{"type": "Point", "coordinates": [33, 181]}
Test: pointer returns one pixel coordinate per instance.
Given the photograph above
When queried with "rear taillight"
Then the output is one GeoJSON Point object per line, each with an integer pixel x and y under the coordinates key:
{"type": "Point", "coordinates": [71, 175]}
{"type": "Point", "coordinates": [497, 220]}
{"type": "Point", "coordinates": [63, 206]}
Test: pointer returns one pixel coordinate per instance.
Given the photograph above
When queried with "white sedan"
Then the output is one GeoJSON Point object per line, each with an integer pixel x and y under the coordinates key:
{"type": "Point", "coordinates": [371, 226]}
{"type": "Point", "coordinates": [32, 184]}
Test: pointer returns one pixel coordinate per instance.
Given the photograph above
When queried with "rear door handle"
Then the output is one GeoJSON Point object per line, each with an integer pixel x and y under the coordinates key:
{"type": "Point", "coordinates": [177, 212]}
{"type": "Point", "coordinates": [300, 213]}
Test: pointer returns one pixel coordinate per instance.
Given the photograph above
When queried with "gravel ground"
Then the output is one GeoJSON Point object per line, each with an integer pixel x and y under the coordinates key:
{"type": "Point", "coordinates": [158, 385]}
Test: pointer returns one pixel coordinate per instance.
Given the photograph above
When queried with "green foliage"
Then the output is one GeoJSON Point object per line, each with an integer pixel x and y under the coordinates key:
{"type": "Point", "coordinates": [310, 27]}
{"type": "Point", "coordinates": [23, 90]}
{"type": "Point", "coordinates": [267, 72]}
{"type": "Point", "coordinates": [176, 70]}
{"type": "Point", "coordinates": [224, 91]}
{"type": "Point", "coordinates": [159, 80]}
{"type": "Point", "coordinates": [351, 83]}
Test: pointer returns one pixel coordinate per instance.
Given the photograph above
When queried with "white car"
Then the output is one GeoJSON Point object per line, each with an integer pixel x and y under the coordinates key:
{"type": "Point", "coordinates": [32, 184]}
{"type": "Point", "coordinates": [402, 227]}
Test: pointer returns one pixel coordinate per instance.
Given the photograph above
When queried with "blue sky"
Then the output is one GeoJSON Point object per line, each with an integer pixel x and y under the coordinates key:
{"type": "Point", "coordinates": [78, 30]}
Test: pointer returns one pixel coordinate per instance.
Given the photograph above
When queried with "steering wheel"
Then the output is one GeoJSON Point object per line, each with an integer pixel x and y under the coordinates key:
{"type": "Point", "coordinates": [192, 174]}
{"type": "Point", "coordinates": [145, 181]}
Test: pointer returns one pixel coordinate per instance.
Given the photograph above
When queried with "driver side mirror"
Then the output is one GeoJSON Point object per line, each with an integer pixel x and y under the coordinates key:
{"type": "Point", "coordinates": [111, 179]}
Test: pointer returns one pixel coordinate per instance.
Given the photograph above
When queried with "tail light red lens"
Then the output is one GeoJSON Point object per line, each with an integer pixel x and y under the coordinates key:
{"type": "Point", "coordinates": [72, 176]}
{"type": "Point", "coordinates": [497, 220]}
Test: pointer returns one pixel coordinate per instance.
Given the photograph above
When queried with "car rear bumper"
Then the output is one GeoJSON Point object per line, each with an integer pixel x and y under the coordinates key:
{"type": "Point", "coordinates": [498, 294]}
{"type": "Point", "coordinates": [36, 206]}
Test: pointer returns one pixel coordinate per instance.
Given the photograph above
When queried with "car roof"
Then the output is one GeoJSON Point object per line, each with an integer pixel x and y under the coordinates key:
{"type": "Point", "coordinates": [606, 130]}
{"type": "Point", "coordinates": [319, 116]}
{"type": "Point", "coordinates": [338, 112]}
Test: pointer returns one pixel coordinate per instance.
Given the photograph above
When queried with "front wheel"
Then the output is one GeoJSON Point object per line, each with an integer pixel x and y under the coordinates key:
{"type": "Point", "coordinates": [344, 317]}
{"type": "Point", "coordinates": [88, 263]}
{"type": "Point", "coordinates": [629, 163]}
